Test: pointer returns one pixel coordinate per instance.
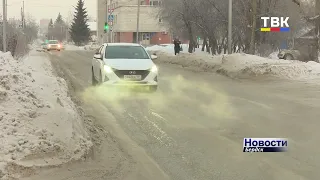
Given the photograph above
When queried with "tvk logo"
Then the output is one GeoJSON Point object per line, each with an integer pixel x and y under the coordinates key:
{"type": "Point", "coordinates": [275, 24]}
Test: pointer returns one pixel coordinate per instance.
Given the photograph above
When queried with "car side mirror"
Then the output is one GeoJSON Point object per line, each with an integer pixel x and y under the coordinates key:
{"type": "Point", "coordinates": [153, 57]}
{"type": "Point", "coordinates": [97, 56]}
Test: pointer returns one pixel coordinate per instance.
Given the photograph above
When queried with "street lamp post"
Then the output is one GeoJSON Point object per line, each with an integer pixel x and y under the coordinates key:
{"type": "Point", "coordinates": [230, 27]}
{"type": "Point", "coordinates": [107, 16]}
{"type": "Point", "coordinates": [4, 26]}
{"type": "Point", "coordinates": [138, 19]}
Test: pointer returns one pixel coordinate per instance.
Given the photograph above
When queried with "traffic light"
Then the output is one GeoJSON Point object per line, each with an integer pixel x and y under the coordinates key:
{"type": "Point", "coordinates": [106, 27]}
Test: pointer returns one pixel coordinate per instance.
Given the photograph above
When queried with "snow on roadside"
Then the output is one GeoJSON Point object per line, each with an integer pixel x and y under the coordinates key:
{"type": "Point", "coordinates": [241, 65]}
{"type": "Point", "coordinates": [167, 48]}
{"type": "Point", "coordinates": [73, 47]}
{"type": "Point", "coordinates": [40, 125]}
{"type": "Point", "coordinates": [274, 55]}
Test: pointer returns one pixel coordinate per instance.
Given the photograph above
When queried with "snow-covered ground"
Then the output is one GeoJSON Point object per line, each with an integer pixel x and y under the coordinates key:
{"type": "Point", "coordinates": [239, 65]}
{"type": "Point", "coordinates": [39, 124]}
{"type": "Point", "coordinates": [73, 47]}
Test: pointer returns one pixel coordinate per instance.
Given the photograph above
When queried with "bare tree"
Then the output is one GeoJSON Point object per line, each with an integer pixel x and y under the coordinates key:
{"type": "Point", "coordinates": [18, 38]}
{"type": "Point", "coordinates": [208, 18]}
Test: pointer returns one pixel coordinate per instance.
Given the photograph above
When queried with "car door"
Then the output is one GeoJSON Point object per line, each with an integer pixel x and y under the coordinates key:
{"type": "Point", "coordinates": [95, 63]}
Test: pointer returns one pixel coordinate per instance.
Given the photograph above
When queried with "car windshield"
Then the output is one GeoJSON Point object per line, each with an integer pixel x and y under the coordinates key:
{"type": "Point", "coordinates": [53, 42]}
{"type": "Point", "coordinates": [126, 52]}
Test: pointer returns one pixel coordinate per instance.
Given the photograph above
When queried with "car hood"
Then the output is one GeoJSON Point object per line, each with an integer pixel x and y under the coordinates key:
{"type": "Point", "coordinates": [129, 64]}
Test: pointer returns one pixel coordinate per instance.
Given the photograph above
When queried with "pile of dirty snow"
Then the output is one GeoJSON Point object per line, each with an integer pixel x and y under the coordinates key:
{"type": "Point", "coordinates": [274, 55]}
{"type": "Point", "coordinates": [242, 65]}
{"type": "Point", "coordinates": [167, 48]}
{"type": "Point", "coordinates": [40, 125]}
{"type": "Point", "coordinates": [245, 64]}
{"type": "Point", "coordinates": [73, 47]}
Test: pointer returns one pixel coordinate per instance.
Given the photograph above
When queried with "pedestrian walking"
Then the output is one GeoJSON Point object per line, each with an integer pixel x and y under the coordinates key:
{"type": "Point", "coordinates": [177, 46]}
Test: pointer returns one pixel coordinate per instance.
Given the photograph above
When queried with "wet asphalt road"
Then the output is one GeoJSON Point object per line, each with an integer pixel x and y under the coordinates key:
{"type": "Point", "coordinates": [193, 127]}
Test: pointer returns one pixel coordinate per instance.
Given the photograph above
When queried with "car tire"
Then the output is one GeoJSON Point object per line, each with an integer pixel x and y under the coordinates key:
{"type": "Point", "coordinates": [94, 81]}
{"type": "Point", "coordinates": [153, 88]}
{"type": "Point", "coordinates": [288, 57]}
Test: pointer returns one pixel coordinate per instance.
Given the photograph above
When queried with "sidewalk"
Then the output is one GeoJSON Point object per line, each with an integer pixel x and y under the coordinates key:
{"type": "Point", "coordinates": [240, 65]}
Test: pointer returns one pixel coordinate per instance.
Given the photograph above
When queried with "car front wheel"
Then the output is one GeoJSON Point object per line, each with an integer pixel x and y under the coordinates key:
{"type": "Point", "coordinates": [153, 88]}
{"type": "Point", "coordinates": [94, 81]}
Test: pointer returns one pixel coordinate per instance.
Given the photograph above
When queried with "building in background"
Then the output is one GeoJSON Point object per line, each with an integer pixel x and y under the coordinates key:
{"type": "Point", "coordinates": [43, 27]}
{"type": "Point", "coordinates": [93, 29]}
{"type": "Point", "coordinates": [152, 29]}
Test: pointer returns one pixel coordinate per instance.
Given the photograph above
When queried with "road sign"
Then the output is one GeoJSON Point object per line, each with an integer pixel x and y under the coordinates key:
{"type": "Point", "coordinates": [110, 23]}
{"type": "Point", "coordinates": [110, 17]}
{"type": "Point", "coordinates": [110, 10]}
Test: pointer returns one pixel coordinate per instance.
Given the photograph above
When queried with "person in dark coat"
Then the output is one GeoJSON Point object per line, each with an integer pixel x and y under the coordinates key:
{"type": "Point", "coordinates": [177, 46]}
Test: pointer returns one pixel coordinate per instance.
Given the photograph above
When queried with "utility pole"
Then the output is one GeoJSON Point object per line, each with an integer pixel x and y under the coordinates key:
{"type": "Point", "coordinates": [4, 25]}
{"type": "Point", "coordinates": [317, 30]}
{"type": "Point", "coordinates": [230, 27]}
{"type": "Point", "coordinates": [253, 27]}
{"type": "Point", "coordinates": [138, 19]}
{"type": "Point", "coordinates": [23, 20]}
{"type": "Point", "coordinates": [107, 14]}
{"type": "Point", "coordinates": [67, 30]}
{"type": "Point", "coordinates": [110, 27]}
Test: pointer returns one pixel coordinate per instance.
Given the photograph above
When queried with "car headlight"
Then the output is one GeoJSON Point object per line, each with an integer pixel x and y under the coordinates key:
{"type": "Point", "coordinates": [154, 69]}
{"type": "Point", "coordinates": [108, 69]}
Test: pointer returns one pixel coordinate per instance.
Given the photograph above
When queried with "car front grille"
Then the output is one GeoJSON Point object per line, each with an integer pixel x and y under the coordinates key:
{"type": "Point", "coordinates": [121, 73]}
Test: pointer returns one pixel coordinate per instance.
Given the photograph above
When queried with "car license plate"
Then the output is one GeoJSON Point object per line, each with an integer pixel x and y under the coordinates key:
{"type": "Point", "coordinates": [132, 77]}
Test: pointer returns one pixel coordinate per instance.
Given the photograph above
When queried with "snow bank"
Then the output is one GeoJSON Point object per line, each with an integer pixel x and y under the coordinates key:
{"type": "Point", "coordinates": [167, 48]}
{"type": "Point", "coordinates": [73, 47]}
{"type": "Point", "coordinates": [245, 64]}
{"type": "Point", "coordinates": [39, 124]}
{"type": "Point", "coordinates": [241, 65]}
{"type": "Point", "coordinates": [274, 55]}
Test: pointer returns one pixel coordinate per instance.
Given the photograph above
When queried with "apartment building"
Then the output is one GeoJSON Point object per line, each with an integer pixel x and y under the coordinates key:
{"type": "Point", "coordinates": [152, 29]}
{"type": "Point", "coordinates": [43, 28]}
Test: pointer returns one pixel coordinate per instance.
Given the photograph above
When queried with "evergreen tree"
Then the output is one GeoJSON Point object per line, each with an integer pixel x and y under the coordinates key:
{"type": "Point", "coordinates": [59, 20]}
{"type": "Point", "coordinates": [50, 30]}
{"type": "Point", "coordinates": [50, 25]}
{"type": "Point", "coordinates": [60, 29]}
{"type": "Point", "coordinates": [79, 31]}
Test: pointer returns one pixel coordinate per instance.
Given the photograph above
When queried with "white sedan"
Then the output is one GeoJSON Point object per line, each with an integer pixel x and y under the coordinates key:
{"type": "Point", "coordinates": [124, 64]}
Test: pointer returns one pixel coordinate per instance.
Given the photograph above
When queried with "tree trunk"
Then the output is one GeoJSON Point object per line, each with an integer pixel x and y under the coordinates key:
{"type": "Point", "coordinates": [204, 44]}
{"type": "Point", "coordinates": [253, 30]}
{"type": "Point", "coordinates": [191, 40]}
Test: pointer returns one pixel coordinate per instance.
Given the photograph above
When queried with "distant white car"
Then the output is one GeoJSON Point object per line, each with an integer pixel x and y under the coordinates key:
{"type": "Point", "coordinates": [53, 45]}
{"type": "Point", "coordinates": [44, 46]}
{"type": "Point", "coordinates": [124, 64]}
{"type": "Point", "coordinates": [92, 46]}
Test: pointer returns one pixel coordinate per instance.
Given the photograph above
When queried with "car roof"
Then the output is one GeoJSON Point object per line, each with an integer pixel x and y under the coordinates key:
{"type": "Point", "coordinates": [121, 44]}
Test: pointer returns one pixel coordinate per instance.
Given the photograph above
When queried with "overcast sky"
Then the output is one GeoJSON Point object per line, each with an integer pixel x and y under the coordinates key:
{"type": "Point", "coordinates": [44, 9]}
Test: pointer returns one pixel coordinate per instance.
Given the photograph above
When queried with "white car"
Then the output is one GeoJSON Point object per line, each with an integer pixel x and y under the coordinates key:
{"type": "Point", "coordinates": [53, 45]}
{"type": "Point", "coordinates": [124, 64]}
{"type": "Point", "coordinates": [44, 46]}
